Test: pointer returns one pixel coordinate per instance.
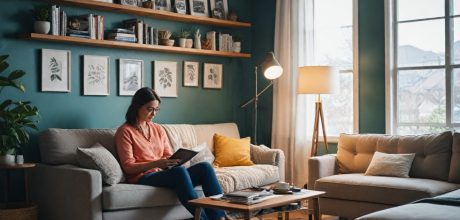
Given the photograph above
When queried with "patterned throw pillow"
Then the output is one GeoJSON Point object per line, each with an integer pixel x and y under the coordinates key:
{"type": "Point", "coordinates": [99, 158]}
{"type": "Point", "coordinates": [397, 165]}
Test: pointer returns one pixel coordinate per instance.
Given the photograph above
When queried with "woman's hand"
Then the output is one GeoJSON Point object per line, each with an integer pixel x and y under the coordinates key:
{"type": "Point", "coordinates": [165, 163]}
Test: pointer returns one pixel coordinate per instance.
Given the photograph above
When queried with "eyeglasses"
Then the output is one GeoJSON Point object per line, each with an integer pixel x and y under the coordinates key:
{"type": "Point", "coordinates": [153, 109]}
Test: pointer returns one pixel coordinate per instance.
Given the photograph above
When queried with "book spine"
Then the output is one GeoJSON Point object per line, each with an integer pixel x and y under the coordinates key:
{"type": "Point", "coordinates": [155, 36]}
{"type": "Point", "coordinates": [120, 35]}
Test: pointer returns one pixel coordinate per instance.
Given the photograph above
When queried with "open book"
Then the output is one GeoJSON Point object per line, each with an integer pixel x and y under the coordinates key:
{"type": "Point", "coordinates": [184, 155]}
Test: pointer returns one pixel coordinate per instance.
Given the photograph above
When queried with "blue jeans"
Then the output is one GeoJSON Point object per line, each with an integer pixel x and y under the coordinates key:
{"type": "Point", "coordinates": [183, 181]}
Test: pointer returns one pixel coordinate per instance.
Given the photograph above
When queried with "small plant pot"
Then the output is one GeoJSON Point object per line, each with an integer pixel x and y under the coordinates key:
{"type": "Point", "coordinates": [182, 42]}
{"type": "Point", "coordinates": [170, 43]}
{"type": "Point", "coordinates": [164, 41]}
{"type": "Point", "coordinates": [20, 159]}
{"type": "Point", "coordinates": [188, 43]}
{"type": "Point", "coordinates": [236, 47]}
{"type": "Point", "coordinates": [42, 27]}
{"type": "Point", "coordinates": [7, 159]}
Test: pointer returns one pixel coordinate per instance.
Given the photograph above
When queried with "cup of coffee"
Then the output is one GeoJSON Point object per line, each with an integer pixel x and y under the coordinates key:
{"type": "Point", "coordinates": [282, 186]}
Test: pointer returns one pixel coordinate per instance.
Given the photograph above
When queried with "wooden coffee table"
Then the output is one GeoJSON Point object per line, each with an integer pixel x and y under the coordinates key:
{"type": "Point", "coordinates": [281, 200]}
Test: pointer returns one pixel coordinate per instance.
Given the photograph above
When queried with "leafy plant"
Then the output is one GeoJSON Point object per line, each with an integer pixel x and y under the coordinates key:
{"type": "Point", "coordinates": [42, 13]}
{"type": "Point", "coordinates": [165, 77]}
{"type": "Point", "coordinates": [164, 34]}
{"type": "Point", "coordinates": [15, 116]}
{"type": "Point", "coordinates": [184, 33]}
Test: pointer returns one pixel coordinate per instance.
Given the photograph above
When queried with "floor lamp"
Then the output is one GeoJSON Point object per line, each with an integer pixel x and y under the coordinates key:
{"type": "Point", "coordinates": [318, 80]}
{"type": "Point", "coordinates": [272, 70]}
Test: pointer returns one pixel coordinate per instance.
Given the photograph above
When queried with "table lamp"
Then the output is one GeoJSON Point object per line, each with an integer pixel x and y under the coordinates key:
{"type": "Point", "coordinates": [272, 70]}
{"type": "Point", "coordinates": [318, 80]}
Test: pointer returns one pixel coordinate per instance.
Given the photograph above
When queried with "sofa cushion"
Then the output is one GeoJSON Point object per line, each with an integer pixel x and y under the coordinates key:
{"type": "Point", "coordinates": [243, 177]}
{"type": "Point", "coordinates": [454, 173]}
{"type": "Point", "coordinates": [125, 196]}
{"type": "Point", "coordinates": [432, 152]}
{"type": "Point", "coordinates": [397, 165]}
{"type": "Point", "coordinates": [380, 189]}
{"type": "Point", "coordinates": [59, 146]}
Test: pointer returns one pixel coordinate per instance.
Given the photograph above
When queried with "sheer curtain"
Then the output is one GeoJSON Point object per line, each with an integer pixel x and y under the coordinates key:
{"type": "Point", "coordinates": [291, 130]}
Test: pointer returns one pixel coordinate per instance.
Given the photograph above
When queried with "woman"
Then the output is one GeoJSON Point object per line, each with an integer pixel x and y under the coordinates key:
{"type": "Point", "coordinates": [144, 149]}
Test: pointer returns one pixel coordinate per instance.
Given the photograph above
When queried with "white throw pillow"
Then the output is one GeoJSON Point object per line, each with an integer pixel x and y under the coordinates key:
{"type": "Point", "coordinates": [397, 165]}
{"type": "Point", "coordinates": [204, 155]}
{"type": "Point", "coordinates": [97, 157]}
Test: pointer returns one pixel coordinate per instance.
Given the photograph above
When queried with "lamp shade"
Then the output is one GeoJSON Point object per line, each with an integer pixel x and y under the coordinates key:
{"type": "Point", "coordinates": [271, 67]}
{"type": "Point", "coordinates": [318, 80]}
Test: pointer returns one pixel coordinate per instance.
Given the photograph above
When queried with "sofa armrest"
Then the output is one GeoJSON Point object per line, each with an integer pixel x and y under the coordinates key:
{"type": "Point", "coordinates": [261, 154]}
{"type": "Point", "coordinates": [66, 192]}
{"type": "Point", "coordinates": [319, 167]}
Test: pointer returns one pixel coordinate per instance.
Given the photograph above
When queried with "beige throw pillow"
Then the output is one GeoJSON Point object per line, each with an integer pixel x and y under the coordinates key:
{"type": "Point", "coordinates": [99, 158]}
{"type": "Point", "coordinates": [397, 165]}
{"type": "Point", "coordinates": [204, 155]}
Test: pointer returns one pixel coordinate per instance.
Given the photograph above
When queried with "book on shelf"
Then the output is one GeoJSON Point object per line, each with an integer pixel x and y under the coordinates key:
{"type": "Point", "coordinates": [112, 35]}
{"type": "Point", "coordinates": [211, 35]}
{"type": "Point", "coordinates": [121, 30]}
{"type": "Point", "coordinates": [136, 25]}
{"type": "Point", "coordinates": [125, 39]}
{"type": "Point", "coordinates": [248, 197]}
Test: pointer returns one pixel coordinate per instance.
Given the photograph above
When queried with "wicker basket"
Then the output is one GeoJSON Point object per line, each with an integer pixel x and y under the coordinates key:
{"type": "Point", "coordinates": [18, 211]}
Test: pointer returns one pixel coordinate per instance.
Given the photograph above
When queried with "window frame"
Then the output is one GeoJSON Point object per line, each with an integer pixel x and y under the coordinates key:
{"type": "Point", "coordinates": [392, 69]}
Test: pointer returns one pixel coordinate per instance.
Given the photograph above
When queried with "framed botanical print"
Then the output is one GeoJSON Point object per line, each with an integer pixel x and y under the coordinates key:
{"type": "Point", "coordinates": [55, 70]}
{"type": "Point", "coordinates": [164, 5]}
{"type": "Point", "coordinates": [219, 9]}
{"type": "Point", "coordinates": [190, 74]}
{"type": "Point", "coordinates": [212, 76]}
{"type": "Point", "coordinates": [96, 75]}
{"type": "Point", "coordinates": [165, 78]}
{"type": "Point", "coordinates": [180, 6]}
{"type": "Point", "coordinates": [199, 8]}
{"type": "Point", "coordinates": [131, 76]}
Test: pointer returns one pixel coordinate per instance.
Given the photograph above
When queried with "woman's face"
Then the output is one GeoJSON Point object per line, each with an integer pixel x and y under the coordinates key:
{"type": "Point", "coordinates": [148, 111]}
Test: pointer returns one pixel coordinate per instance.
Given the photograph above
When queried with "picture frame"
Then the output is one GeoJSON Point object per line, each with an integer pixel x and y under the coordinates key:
{"type": "Point", "coordinates": [55, 70]}
{"type": "Point", "coordinates": [96, 78]}
{"type": "Point", "coordinates": [130, 2]}
{"type": "Point", "coordinates": [213, 74]}
{"type": "Point", "coordinates": [165, 78]}
{"type": "Point", "coordinates": [130, 76]}
{"type": "Point", "coordinates": [190, 74]}
{"type": "Point", "coordinates": [219, 9]}
{"type": "Point", "coordinates": [199, 8]}
{"type": "Point", "coordinates": [164, 5]}
{"type": "Point", "coordinates": [180, 6]}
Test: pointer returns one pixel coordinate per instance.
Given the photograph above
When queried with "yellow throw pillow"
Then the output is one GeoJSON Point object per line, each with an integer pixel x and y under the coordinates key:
{"type": "Point", "coordinates": [232, 151]}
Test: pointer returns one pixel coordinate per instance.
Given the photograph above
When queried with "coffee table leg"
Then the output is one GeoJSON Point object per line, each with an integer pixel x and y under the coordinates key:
{"type": "Point", "coordinates": [197, 213]}
{"type": "Point", "coordinates": [286, 215]}
{"type": "Point", "coordinates": [316, 208]}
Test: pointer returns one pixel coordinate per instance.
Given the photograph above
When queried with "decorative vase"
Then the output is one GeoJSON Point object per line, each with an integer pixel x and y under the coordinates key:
{"type": "Point", "coordinates": [188, 43]}
{"type": "Point", "coordinates": [20, 159]}
{"type": "Point", "coordinates": [197, 43]}
{"type": "Point", "coordinates": [236, 47]}
{"type": "Point", "coordinates": [42, 27]}
{"type": "Point", "coordinates": [164, 42]}
{"type": "Point", "coordinates": [7, 159]}
{"type": "Point", "coordinates": [182, 42]}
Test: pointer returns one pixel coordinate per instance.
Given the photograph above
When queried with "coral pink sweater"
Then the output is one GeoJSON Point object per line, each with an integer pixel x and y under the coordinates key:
{"type": "Point", "coordinates": [133, 147]}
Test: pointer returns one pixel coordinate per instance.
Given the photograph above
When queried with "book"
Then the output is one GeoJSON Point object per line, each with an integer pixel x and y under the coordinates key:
{"type": "Point", "coordinates": [247, 197]}
{"type": "Point", "coordinates": [184, 155]}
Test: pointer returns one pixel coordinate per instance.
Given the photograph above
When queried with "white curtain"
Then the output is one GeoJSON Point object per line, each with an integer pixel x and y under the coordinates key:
{"type": "Point", "coordinates": [291, 132]}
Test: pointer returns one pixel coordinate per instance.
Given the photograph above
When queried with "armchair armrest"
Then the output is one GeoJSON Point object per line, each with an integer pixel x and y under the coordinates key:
{"type": "Point", "coordinates": [261, 154]}
{"type": "Point", "coordinates": [66, 192]}
{"type": "Point", "coordinates": [319, 167]}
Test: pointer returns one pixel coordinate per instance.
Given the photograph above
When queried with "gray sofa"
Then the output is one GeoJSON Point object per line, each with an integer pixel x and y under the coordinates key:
{"type": "Point", "coordinates": [350, 194]}
{"type": "Point", "coordinates": [65, 191]}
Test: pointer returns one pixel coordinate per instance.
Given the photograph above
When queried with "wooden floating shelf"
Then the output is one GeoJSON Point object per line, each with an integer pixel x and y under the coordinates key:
{"type": "Point", "coordinates": [146, 12]}
{"type": "Point", "coordinates": [133, 46]}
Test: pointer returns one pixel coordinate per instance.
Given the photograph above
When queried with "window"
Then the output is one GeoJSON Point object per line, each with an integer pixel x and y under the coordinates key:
{"type": "Point", "coordinates": [425, 67]}
{"type": "Point", "coordinates": [332, 43]}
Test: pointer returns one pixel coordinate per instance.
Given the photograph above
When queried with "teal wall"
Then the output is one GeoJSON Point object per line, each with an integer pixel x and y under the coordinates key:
{"type": "Point", "coordinates": [73, 110]}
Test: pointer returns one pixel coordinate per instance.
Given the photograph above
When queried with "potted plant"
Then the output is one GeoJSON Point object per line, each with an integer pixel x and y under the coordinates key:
{"type": "Point", "coordinates": [15, 116]}
{"type": "Point", "coordinates": [42, 24]}
{"type": "Point", "coordinates": [236, 44]}
{"type": "Point", "coordinates": [164, 38]}
{"type": "Point", "coordinates": [183, 34]}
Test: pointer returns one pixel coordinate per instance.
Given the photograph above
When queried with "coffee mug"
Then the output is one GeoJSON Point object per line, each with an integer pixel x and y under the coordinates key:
{"type": "Point", "coordinates": [282, 186]}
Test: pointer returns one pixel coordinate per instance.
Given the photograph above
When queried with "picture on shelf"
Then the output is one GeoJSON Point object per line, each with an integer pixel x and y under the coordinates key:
{"type": "Point", "coordinates": [180, 6]}
{"type": "Point", "coordinates": [130, 2]}
{"type": "Point", "coordinates": [164, 5]}
{"type": "Point", "coordinates": [131, 76]}
{"type": "Point", "coordinates": [212, 76]}
{"type": "Point", "coordinates": [190, 74]}
{"type": "Point", "coordinates": [165, 78]}
{"type": "Point", "coordinates": [219, 9]}
{"type": "Point", "coordinates": [199, 8]}
{"type": "Point", "coordinates": [55, 70]}
{"type": "Point", "coordinates": [96, 75]}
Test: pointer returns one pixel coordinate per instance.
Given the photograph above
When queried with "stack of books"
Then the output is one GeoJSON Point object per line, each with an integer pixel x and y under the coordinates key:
{"type": "Point", "coordinates": [247, 197]}
{"type": "Point", "coordinates": [122, 34]}
{"type": "Point", "coordinates": [144, 33]}
{"type": "Point", "coordinates": [84, 26]}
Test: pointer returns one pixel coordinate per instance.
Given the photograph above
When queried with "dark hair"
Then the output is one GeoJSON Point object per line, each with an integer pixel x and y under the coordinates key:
{"type": "Point", "coordinates": [140, 98]}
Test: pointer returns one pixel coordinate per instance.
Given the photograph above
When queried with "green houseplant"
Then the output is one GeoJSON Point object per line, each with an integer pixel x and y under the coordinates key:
{"type": "Point", "coordinates": [42, 24]}
{"type": "Point", "coordinates": [15, 116]}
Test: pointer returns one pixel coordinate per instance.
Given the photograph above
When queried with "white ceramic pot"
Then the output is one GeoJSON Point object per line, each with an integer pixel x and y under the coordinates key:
{"type": "Point", "coordinates": [236, 47]}
{"type": "Point", "coordinates": [19, 159]}
{"type": "Point", "coordinates": [188, 43]}
{"type": "Point", "coordinates": [7, 159]}
{"type": "Point", "coordinates": [182, 42]}
{"type": "Point", "coordinates": [42, 27]}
